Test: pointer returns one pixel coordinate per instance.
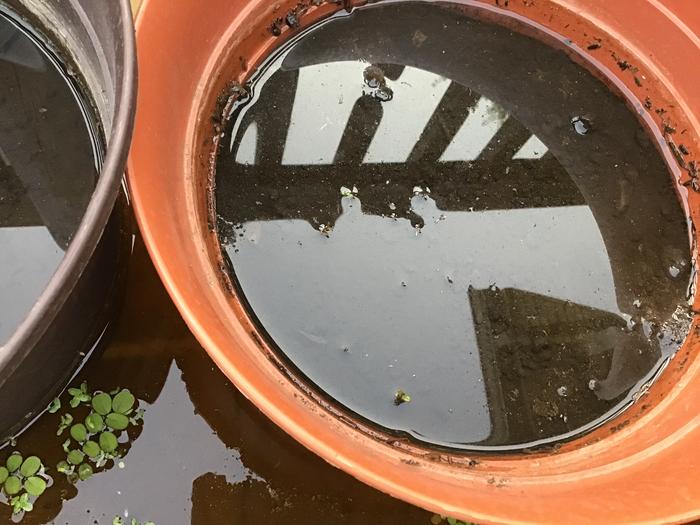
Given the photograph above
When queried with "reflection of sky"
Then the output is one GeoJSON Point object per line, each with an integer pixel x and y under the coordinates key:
{"type": "Point", "coordinates": [326, 94]}
{"type": "Point", "coordinates": [318, 295]}
{"type": "Point", "coordinates": [28, 258]}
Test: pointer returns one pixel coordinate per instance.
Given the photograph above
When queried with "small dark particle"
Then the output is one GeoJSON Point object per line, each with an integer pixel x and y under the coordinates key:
{"type": "Point", "coordinates": [668, 129]}
{"type": "Point", "coordinates": [693, 169]}
{"type": "Point", "coordinates": [677, 154]}
{"type": "Point", "coordinates": [450, 280]}
{"type": "Point", "coordinates": [594, 46]}
{"type": "Point", "coordinates": [637, 81]}
{"type": "Point", "coordinates": [473, 463]}
{"type": "Point", "coordinates": [276, 27]}
{"type": "Point", "coordinates": [647, 103]}
{"type": "Point", "coordinates": [683, 149]}
{"type": "Point", "coordinates": [623, 64]}
{"type": "Point", "coordinates": [660, 111]}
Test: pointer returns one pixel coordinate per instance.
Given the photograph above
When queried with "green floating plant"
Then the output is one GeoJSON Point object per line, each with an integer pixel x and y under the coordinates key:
{"type": "Point", "coordinates": [79, 395]}
{"type": "Point", "coordinates": [96, 439]}
{"type": "Point", "coordinates": [22, 481]}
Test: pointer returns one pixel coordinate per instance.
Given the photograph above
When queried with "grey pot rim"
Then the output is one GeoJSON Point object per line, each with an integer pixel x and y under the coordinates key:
{"type": "Point", "coordinates": [92, 225]}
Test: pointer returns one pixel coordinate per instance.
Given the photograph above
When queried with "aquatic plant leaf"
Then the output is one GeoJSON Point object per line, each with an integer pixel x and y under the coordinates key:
{"type": "Point", "coordinates": [31, 466]}
{"type": "Point", "coordinates": [108, 442]}
{"type": "Point", "coordinates": [102, 403]}
{"type": "Point", "coordinates": [14, 462]}
{"type": "Point", "coordinates": [35, 486]}
{"type": "Point", "coordinates": [94, 423]}
{"type": "Point", "coordinates": [91, 449]}
{"type": "Point", "coordinates": [85, 471]}
{"type": "Point", "coordinates": [117, 421]}
{"type": "Point", "coordinates": [123, 402]}
{"type": "Point", "coordinates": [402, 397]}
{"type": "Point", "coordinates": [12, 485]}
{"type": "Point", "coordinates": [78, 432]}
{"type": "Point", "coordinates": [64, 468]}
{"type": "Point", "coordinates": [66, 421]}
{"type": "Point", "coordinates": [54, 406]}
{"type": "Point", "coordinates": [66, 446]}
{"type": "Point", "coordinates": [117, 521]}
{"type": "Point", "coordinates": [4, 474]}
{"type": "Point", "coordinates": [21, 504]}
{"type": "Point", "coordinates": [75, 457]}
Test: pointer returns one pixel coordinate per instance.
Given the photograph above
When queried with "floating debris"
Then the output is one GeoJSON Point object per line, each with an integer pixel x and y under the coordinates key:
{"type": "Point", "coordinates": [401, 397]}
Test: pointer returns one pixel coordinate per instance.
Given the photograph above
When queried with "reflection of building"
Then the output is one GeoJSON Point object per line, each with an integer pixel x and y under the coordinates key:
{"type": "Point", "coordinates": [508, 169]}
{"type": "Point", "coordinates": [538, 355]}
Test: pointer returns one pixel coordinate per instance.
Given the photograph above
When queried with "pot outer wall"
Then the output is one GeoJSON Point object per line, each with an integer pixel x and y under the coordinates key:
{"type": "Point", "coordinates": [73, 314]}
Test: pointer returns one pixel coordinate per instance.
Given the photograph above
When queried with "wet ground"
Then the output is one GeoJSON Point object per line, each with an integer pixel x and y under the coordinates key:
{"type": "Point", "coordinates": [203, 455]}
{"type": "Point", "coordinates": [48, 159]}
{"type": "Point", "coordinates": [492, 233]}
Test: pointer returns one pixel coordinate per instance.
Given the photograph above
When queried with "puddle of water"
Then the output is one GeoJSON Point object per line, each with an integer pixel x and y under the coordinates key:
{"type": "Point", "coordinates": [491, 232]}
{"type": "Point", "coordinates": [204, 454]}
{"type": "Point", "coordinates": [48, 168]}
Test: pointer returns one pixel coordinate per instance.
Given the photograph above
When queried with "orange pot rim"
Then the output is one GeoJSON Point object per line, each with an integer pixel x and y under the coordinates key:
{"type": "Point", "coordinates": [637, 469]}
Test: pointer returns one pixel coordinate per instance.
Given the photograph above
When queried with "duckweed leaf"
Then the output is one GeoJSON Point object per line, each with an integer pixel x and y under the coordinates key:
{"type": "Point", "coordinates": [66, 421]}
{"type": "Point", "coordinates": [14, 462]}
{"type": "Point", "coordinates": [21, 504]}
{"type": "Point", "coordinates": [94, 422]}
{"type": "Point", "coordinates": [78, 432]}
{"type": "Point", "coordinates": [64, 468]}
{"type": "Point", "coordinates": [400, 398]}
{"type": "Point", "coordinates": [35, 486]}
{"type": "Point", "coordinates": [452, 521]}
{"type": "Point", "coordinates": [54, 406]}
{"type": "Point", "coordinates": [79, 395]}
{"type": "Point", "coordinates": [108, 442]}
{"type": "Point", "coordinates": [91, 449]}
{"type": "Point", "coordinates": [75, 457]}
{"type": "Point", "coordinates": [66, 446]}
{"type": "Point", "coordinates": [12, 485]}
{"type": "Point", "coordinates": [102, 404]}
{"type": "Point", "coordinates": [123, 402]}
{"type": "Point", "coordinates": [31, 466]}
{"type": "Point", "coordinates": [4, 474]}
{"type": "Point", "coordinates": [117, 421]}
{"type": "Point", "coordinates": [84, 471]}
{"type": "Point", "coordinates": [117, 521]}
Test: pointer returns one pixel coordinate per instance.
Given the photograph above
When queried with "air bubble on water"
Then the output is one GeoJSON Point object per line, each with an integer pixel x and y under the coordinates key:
{"type": "Point", "coordinates": [581, 125]}
{"type": "Point", "coordinates": [392, 206]}
{"type": "Point", "coordinates": [637, 303]}
{"type": "Point", "coordinates": [417, 190]}
{"type": "Point", "coordinates": [562, 391]}
{"type": "Point", "coordinates": [593, 385]}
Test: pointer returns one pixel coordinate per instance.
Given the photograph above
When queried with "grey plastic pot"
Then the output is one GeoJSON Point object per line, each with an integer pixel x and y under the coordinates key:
{"type": "Point", "coordinates": [75, 310]}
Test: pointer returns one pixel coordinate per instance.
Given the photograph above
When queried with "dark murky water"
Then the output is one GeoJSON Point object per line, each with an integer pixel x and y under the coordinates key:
{"type": "Point", "coordinates": [203, 455]}
{"type": "Point", "coordinates": [443, 207]}
{"type": "Point", "coordinates": [48, 158]}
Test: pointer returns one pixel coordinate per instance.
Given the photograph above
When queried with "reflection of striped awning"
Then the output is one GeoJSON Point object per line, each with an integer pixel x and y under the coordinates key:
{"type": "Point", "coordinates": [315, 130]}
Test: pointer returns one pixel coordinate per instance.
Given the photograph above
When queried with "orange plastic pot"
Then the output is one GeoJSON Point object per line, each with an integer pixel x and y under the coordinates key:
{"type": "Point", "coordinates": [640, 468]}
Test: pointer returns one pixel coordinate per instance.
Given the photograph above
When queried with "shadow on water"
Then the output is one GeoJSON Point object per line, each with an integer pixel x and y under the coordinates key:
{"type": "Point", "coordinates": [204, 455]}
